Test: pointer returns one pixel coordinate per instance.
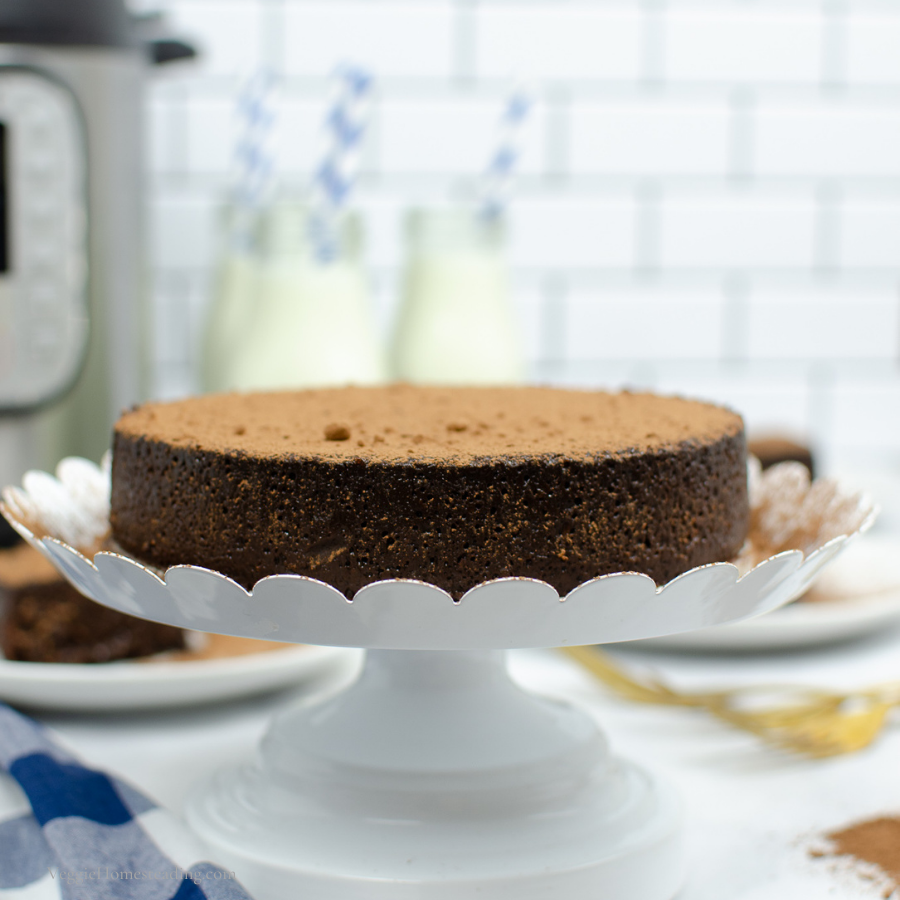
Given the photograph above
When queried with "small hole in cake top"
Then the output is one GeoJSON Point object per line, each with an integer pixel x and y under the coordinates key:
{"type": "Point", "coordinates": [337, 433]}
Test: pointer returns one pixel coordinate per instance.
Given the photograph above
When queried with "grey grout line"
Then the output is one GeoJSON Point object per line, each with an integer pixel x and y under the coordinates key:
{"type": "Point", "coordinates": [178, 150]}
{"type": "Point", "coordinates": [653, 43]}
{"type": "Point", "coordinates": [897, 335]}
{"type": "Point", "coordinates": [557, 135]}
{"type": "Point", "coordinates": [565, 183]}
{"type": "Point", "coordinates": [586, 88]}
{"type": "Point", "coordinates": [820, 392]}
{"type": "Point", "coordinates": [372, 145]}
{"type": "Point", "coordinates": [827, 229]}
{"type": "Point", "coordinates": [554, 293]}
{"type": "Point", "coordinates": [648, 197]}
{"type": "Point", "coordinates": [735, 317]}
{"type": "Point", "coordinates": [196, 313]}
{"type": "Point", "coordinates": [273, 51]}
{"type": "Point", "coordinates": [592, 278]}
{"type": "Point", "coordinates": [171, 296]}
{"type": "Point", "coordinates": [693, 5]}
{"type": "Point", "coordinates": [643, 376]}
{"type": "Point", "coordinates": [465, 43]}
{"type": "Point", "coordinates": [834, 44]}
{"type": "Point", "coordinates": [742, 133]}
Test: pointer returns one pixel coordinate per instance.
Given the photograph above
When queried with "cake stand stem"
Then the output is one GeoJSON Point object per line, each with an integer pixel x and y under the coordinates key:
{"type": "Point", "coordinates": [433, 777]}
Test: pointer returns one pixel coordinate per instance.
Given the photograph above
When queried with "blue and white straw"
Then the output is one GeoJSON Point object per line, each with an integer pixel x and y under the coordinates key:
{"type": "Point", "coordinates": [497, 182]}
{"type": "Point", "coordinates": [254, 157]}
{"type": "Point", "coordinates": [334, 177]}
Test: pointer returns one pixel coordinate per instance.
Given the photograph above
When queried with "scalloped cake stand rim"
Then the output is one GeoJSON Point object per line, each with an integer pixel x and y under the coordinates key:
{"type": "Point", "coordinates": [373, 630]}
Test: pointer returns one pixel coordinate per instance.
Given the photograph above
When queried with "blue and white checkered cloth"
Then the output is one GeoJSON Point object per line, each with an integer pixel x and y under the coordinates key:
{"type": "Point", "coordinates": [73, 833]}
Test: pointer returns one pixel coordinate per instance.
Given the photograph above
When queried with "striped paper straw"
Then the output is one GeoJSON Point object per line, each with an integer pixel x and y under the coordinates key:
{"type": "Point", "coordinates": [333, 179]}
{"type": "Point", "coordinates": [497, 182]}
{"type": "Point", "coordinates": [253, 154]}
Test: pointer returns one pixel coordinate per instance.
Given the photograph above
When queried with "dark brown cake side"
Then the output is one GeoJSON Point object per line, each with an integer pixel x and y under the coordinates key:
{"type": "Point", "coordinates": [46, 620]}
{"type": "Point", "coordinates": [456, 521]}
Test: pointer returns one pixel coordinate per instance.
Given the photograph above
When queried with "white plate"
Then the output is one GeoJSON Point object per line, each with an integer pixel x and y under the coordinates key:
{"type": "Point", "coordinates": [860, 594]}
{"type": "Point", "coordinates": [132, 684]}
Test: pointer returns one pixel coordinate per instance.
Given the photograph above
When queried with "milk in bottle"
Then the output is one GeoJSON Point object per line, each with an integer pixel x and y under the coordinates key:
{"type": "Point", "coordinates": [234, 290]}
{"type": "Point", "coordinates": [312, 323]}
{"type": "Point", "coordinates": [456, 323]}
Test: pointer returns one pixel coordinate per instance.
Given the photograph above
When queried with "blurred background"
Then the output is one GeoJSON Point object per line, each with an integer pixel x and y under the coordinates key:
{"type": "Point", "coordinates": [708, 199]}
{"type": "Point", "coordinates": [706, 195]}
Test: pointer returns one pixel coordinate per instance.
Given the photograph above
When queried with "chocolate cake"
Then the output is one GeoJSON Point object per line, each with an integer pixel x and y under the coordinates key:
{"type": "Point", "coordinates": [453, 486]}
{"type": "Point", "coordinates": [44, 619]}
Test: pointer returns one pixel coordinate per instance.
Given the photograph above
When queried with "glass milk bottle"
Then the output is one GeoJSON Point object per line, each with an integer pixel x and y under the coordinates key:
{"type": "Point", "coordinates": [312, 322]}
{"type": "Point", "coordinates": [234, 289]}
{"type": "Point", "coordinates": [456, 324]}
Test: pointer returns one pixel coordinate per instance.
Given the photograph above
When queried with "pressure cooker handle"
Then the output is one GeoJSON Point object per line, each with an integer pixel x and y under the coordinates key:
{"type": "Point", "coordinates": [151, 30]}
{"type": "Point", "coordinates": [163, 50]}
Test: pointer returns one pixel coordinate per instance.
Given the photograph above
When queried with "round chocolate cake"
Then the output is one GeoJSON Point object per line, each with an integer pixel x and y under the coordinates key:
{"type": "Point", "coordinates": [453, 486]}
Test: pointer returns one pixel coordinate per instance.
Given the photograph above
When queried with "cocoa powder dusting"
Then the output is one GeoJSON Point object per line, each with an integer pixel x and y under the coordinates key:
{"type": "Point", "coordinates": [440, 423]}
{"type": "Point", "coordinates": [874, 841]}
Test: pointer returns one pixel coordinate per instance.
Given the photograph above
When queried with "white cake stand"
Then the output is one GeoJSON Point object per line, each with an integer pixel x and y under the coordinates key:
{"type": "Point", "coordinates": [433, 776]}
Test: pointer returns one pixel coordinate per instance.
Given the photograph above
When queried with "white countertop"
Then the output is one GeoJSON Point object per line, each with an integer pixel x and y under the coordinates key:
{"type": "Point", "coordinates": [752, 811]}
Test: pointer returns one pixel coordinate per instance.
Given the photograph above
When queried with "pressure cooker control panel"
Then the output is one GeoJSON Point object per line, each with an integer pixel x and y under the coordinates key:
{"type": "Point", "coordinates": [44, 313]}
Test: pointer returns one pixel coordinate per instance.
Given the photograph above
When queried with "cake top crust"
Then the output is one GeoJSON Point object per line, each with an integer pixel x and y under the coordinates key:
{"type": "Point", "coordinates": [454, 425]}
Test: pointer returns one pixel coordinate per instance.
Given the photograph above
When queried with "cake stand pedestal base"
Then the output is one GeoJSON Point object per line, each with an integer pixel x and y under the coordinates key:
{"type": "Point", "coordinates": [435, 777]}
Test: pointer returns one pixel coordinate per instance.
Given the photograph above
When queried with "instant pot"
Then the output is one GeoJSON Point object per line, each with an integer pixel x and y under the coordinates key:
{"type": "Point", "coordinates": [71, 249]}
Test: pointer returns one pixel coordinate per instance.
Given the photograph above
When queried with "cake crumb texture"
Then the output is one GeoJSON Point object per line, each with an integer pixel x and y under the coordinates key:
{"type": "Point", "coordinates": [44, 619]}
{"type": "Point", "coordinates": [453, 486]}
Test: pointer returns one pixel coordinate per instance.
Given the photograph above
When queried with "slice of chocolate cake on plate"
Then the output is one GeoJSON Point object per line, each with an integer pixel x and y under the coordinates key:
{"type": "Point", "coordinates": [44, 619]}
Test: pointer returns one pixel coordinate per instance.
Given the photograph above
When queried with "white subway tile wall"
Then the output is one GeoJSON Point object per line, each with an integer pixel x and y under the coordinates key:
{"type": "Point", "coordinates": [872, 42]}
{"type": "Point", "coordinates": [650, 136]}
{"type": "Point", "coordinates": [571, 232]}
{"type": "Point", "coordinates": [600, 324]}
{"type": "Point", "coordinates": [445, 136]}
{"type": "Point", "coordinates": [708, 199]}
{"type": "Point", "coordinates": [829, 137]}
{"type": "Point", "coordinates": [558, 41]}
{"type": "Point", "coordinates": [411, 40]}
{"type": "Point", "coordinates": [870, 230]}
{"type": "Point", "coordinates": [742, 226]}
{"type": "Point", "coordinates": [744, 45]}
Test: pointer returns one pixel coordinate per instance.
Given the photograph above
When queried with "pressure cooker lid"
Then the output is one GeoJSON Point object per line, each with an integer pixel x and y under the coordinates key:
{"type": "Point", "coordinates": [92, 23]}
